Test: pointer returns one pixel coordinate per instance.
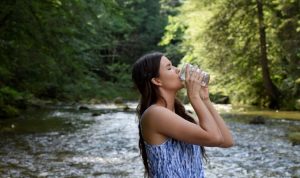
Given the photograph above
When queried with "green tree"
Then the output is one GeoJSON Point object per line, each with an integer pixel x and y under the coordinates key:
{"type": "Point", "coordinates": [71, 50]}
{"type": "Point", "coordinates": [270, 88]}
{"type": "Point", "coordinates": [223, 37]}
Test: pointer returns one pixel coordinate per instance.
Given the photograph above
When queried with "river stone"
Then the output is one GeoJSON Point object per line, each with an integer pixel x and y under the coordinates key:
{"type": "Point", "coordinates": [257, 120]}
{"type": "Point", "coordinates": [118, 100]}
{"type": "Point", "coordinates": [96, 114]}
{"type": "Point", "coordinates": [126, 108]}
{"type": "Point", "coordinates": [83, 108]}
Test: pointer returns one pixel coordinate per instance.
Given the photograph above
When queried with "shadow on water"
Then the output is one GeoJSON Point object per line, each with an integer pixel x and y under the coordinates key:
{"type": "Point", "coordinates": [43, 121]}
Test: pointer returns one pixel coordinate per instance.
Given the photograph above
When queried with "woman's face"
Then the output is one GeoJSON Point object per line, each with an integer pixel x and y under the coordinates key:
{"type": "Point", "coordinates": [169, 75]}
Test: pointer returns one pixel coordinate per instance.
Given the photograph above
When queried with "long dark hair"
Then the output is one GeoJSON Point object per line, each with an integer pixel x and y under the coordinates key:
{"type": "Point", "coordinates": [144, 69]}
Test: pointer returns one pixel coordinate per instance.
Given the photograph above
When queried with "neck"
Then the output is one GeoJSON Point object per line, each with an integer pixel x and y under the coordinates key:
{"type": "Point", "coordinates": [169, 98]}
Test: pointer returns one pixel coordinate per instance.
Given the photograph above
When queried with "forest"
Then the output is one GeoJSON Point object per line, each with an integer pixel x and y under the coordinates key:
{"type": "Point", "coordinates": [82, 51]}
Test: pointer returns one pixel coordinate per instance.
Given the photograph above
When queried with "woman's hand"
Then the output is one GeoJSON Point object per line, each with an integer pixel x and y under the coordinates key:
{"type": "Point", "coordinates": [204, 93]}
{"type": "Point", "coordinates": [193, 82]}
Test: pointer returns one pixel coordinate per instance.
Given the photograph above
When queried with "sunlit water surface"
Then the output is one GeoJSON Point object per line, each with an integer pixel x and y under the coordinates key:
{"type": "Point", "coordinates": [66, 142]}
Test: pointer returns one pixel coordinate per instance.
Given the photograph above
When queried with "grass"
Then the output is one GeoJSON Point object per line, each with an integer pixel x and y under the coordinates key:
{"type": "Point", "coordinates": [288, 115]}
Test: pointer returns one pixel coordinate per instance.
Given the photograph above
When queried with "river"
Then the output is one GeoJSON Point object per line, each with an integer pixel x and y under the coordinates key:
{"type": "Point", "coordinates": [63, 141]}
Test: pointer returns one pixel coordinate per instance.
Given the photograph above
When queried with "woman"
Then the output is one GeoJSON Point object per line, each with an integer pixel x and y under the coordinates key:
{"type": "Point", "coordinates": [172, 142]}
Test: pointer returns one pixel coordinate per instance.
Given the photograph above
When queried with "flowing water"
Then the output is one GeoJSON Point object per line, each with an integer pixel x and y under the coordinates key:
{"type": "Point", "coordinates": [67, 142]}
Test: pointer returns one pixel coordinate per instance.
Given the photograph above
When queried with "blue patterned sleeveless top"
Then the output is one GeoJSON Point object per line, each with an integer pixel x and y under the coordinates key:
{"type": "Point", "coordinates": [174, 159]}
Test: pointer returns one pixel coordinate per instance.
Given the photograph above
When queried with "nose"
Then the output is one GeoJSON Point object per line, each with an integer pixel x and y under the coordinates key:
{"type": "Point", "coordinates": [177, 70]}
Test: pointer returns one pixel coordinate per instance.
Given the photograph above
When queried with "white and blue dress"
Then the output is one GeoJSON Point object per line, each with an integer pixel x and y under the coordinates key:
{"type": "Point", "coordinates": [174, 159]}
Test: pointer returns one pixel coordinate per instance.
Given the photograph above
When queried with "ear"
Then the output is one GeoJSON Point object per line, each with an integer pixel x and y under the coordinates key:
{"type": "Point", "coordinates": [156, 81]}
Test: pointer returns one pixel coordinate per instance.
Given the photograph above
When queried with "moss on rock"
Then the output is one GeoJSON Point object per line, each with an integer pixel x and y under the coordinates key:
{"type": "Point", "coordinates": [294, 137]}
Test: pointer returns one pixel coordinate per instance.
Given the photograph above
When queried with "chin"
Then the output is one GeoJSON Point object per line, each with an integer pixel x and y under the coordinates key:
{"type": "Point", "coordinates": [181, 85]}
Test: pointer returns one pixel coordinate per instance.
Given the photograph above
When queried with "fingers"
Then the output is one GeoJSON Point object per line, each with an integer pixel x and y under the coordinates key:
{"type": "Point", "coordinates": [187, 72]}
{"type": "Point", "coordinates": [190, 72]}
{"type": "Point", "coordinates": [193, 73]}
{"type": "Point", "coordinates": [199, 74]}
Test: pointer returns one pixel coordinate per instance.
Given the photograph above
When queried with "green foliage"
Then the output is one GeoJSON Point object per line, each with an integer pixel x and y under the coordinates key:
{"type": "Point", "coordinates": [75, 50]}
{"type": "Point", "coordinates": [9, 101]}
{"type": "Point", "coordinates": [8, 95]}
{"type": "Point", "coordinates": [172, 40]}
{"type": "Point", "coordinates": [222, 37]}
{"type": "Point", "coordinates": [121, 72]}
{"type": "Point", "coordinates": [79, 50]}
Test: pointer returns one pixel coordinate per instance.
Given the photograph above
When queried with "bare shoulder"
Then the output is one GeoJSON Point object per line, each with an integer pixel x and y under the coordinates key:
{"type": "Point", "coordinates": [155, 109]}
{"type": "Point", "coordinates": [154, 113]}
{"type": "Point", "coordinates": [152, 123]}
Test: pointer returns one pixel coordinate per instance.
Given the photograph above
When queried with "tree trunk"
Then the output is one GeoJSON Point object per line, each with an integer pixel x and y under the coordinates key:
{"type": "Point", "coordinates": [270, 88]}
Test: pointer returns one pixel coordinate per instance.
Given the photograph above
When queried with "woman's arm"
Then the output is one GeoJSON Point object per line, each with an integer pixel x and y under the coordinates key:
{"type": "Point", "coordinates": [206, 120]}
{"type": "Point", "coordinates": [227, 137]}
{"type": "Point", "coordinates": [194, 91]}
{"type": "Point", "coordinates": [162, 121]}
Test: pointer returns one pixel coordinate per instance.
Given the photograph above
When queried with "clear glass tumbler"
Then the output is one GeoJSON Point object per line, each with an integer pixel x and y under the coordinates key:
{"type": "Point", "coordinates": [205, 79]}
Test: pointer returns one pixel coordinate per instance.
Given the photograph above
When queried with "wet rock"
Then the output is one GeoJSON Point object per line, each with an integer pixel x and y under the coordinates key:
{"type": "Point", "coordinates": [83, 108]}
{"type": "Point", "coordinates": [96, 114]}
{"type": "Point", "coordinates": [118, 100]}
{"type": "Point", "coordinates": [257, 120]}
{"type": "Point", "coordinates": [126, 108]}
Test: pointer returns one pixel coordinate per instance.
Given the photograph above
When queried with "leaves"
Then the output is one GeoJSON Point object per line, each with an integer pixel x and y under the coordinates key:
{"type": "Point", "coordinates": [69, 49]}
{"type": "Point", "coordinates": [222, 37]}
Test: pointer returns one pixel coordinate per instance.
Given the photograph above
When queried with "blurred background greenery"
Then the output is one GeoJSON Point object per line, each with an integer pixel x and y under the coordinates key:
{"type": "Point", "coordinates": [82, 51]}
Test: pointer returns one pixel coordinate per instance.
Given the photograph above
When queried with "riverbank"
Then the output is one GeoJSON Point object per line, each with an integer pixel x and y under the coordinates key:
{"type": "Point", "coordinates": [13, 103]}
{"type": "Point", "coordinates": [252, 112]}
{"type": "Point", "coordinates": [119, 94]}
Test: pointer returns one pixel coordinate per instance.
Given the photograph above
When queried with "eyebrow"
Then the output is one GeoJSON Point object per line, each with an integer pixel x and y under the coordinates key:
{"type": "Point", "coordinates": [169, 64]}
